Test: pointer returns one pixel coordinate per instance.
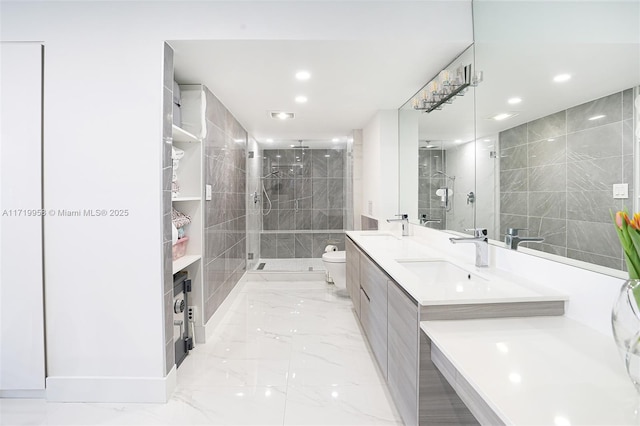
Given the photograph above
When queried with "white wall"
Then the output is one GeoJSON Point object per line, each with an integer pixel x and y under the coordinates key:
{"type": "Point", "coordinates": [408, 161]}
{"type": "Point", "coordinates": [380, 166]}
{"type": "Point", "coordinates": [22, 361]}
{"type": "Point", "coordinates": [102, 150]}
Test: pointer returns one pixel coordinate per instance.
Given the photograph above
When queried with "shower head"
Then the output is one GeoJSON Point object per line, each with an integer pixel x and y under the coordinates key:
{"type": "Point", "coordinates": [440, 172]}
{"type": "Point", "coordinates": [300, 146]}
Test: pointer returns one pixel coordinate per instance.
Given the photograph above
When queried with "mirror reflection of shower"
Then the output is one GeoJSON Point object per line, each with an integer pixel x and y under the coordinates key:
{"type": "Point", "coordinates": [445, 192]}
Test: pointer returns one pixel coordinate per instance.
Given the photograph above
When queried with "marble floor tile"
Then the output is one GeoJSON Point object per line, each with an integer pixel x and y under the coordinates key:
{"type": "Point", "coordinates": [340, 405]}
{"type": "Point", "coordinates": [286, 352]}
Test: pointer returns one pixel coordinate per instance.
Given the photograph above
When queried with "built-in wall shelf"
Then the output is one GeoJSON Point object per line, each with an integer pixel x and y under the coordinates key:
{"type": "Point", "coordinates": [184, 261]}
{"type": "Point", "coordinates": [178, 199]}
{"type": "Point", "coordinates": [181, 135]}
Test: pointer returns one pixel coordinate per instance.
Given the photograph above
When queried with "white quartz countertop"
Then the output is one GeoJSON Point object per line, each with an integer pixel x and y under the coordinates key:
{"type": "Point", "coordinates": [476, 285]}
{"type": "Point", "coordinates": [540, 370]}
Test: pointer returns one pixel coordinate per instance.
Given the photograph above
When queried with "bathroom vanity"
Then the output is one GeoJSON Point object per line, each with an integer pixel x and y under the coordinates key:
{"type": "Point", "coordinates": [396, 283]}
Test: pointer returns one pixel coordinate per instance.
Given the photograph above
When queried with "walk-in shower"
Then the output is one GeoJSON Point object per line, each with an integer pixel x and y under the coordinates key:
{"type": "Point", "coordinates": [298, 194]}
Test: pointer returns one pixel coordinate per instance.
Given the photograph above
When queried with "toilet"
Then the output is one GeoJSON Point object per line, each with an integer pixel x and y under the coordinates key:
{"type": "Point", "coordinates": [335, 264]}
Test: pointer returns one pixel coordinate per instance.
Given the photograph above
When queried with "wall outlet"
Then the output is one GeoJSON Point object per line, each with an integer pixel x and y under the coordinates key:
{"type": "Point", "coordinates": [208, 192]}
{"type": "Point", "coordinates": [620, 190]}
{"type": "Point", "coordinates": [191, 313]}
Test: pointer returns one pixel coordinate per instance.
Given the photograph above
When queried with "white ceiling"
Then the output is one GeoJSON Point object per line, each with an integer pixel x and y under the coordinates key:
{"type": "Point", "coordinates": [350, 81]}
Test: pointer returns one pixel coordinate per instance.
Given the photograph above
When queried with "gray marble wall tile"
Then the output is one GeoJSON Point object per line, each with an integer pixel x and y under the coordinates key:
{"type": "Point", "coordinates": [169, 357]}
{"type": "Point", "coordinates": [548, 248]}
{"type": "Point", "coordinates": [216, 111]}
{"type": "Point", "coordinates": [320, 241]}
{"type": "Point", "coordinates": [268, 246]}
{"type": "Point", "coordinates": [578, 117]}
{"type": "Point", "coordinates": [319, 163]}
{"type": "Point", "coordinates": [303, 245]}
{"type": "Point", "coordinates": [214, 273]}
{"type": "Point", "coordinates": [513, 158]}
{"type": "Point", "coordinates": [167, 73]}
{"type": "Point", "coordinates": [627, 104]}
{"type": "Point", "coordinates": [215, 241]}
{"type": "Point", "coordinates": [166, 202]}
{"type": "Point", "coordinates": [548, 204]}
{"type": "Point", "coordinates": [627, 137]}
{"type": "Point", "coordinates": [303, 219]}
{"type": "Point", "coordinates": [513, 137]}
{"type": "Point", "coordinates": [166, 153]}
{"type": "Point", "coordinates": [167, 114]}
{"type": "Point", "coordinates": [167, 264]}
{"type": "Point", "coordinates": [335, 219]}
{"type": "Point", "coordinates": [514, 203]}
{"type": "Point", "coordinates": [168, 316]}
{"type": "Point", "coordinates": [167, 230]}
{"type": "Point", "coordinates": [545, 152]}
{"type": "Point", "coordinates": [591, 206]}
{"type": "Point", "coordinates": [548, 178]}
{"type": "Point", "coordinates": [285, 219]}
{"type": "Point", "coordinates": [285, 246]}
{"type": "Point", "coordinates": [554, 231]}
{"type": "Point", "coordinates": [627, 172]}
{"type": "Point", "coordinates": [319, 219]}
{"type": "Point", "coordinates": [270, 221]}
{"type": "Point", "coordinates": [513, 180]}
{"type": "Point", "coordinates": [592, 237]}
{"type": "Point", "coordinates": [547, 127]}
{"type": "Point", "coordinates": [424, 197]}
{"type": "Point", "coordinates": [215, 210]}
{"type": "Point", "coordinates": [167, 172]}
{"type": "Point", "coordinates": [319, 194]}
{"type": "Point", "coordinates": [303, 192]}
{"type": "Point", "coordinates": [609, 262]}
{"type": "Point", "coordinates": [599, 142]}
{"type": "Point", "coordinates": [335, 193]}
{"type": "Point", "coordinates": [335, 163]}
{"type": "Point", "coordinates": [593, 175]}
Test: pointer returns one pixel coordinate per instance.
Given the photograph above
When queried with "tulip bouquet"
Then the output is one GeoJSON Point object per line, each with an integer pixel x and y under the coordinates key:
{"type": "Point", "coordinates": [629, 234]}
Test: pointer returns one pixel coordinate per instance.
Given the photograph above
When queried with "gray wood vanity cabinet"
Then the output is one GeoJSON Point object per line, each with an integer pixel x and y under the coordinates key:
{"type": "Point", "coordinates": [373, 309]}
{"type": "Point", "coordinates": [390, 319]}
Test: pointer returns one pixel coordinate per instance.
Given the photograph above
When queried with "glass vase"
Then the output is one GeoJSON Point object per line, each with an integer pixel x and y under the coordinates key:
{"type": "Point", "coordinates": [625, 321]}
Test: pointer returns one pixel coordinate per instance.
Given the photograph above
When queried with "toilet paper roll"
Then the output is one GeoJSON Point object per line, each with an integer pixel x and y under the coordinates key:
{"type": "Point", "coordinates": [329, 248]}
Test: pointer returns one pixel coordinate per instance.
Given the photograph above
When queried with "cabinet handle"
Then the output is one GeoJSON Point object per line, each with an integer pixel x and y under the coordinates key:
{"type": "Point", "coordinates": [366, 295]}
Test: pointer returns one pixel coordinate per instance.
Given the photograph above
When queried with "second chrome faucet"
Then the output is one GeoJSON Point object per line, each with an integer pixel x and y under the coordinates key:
{"type": "Point", "coordinates": [482, 244]}
{"type": "Point", "coordinates": [404, 218]}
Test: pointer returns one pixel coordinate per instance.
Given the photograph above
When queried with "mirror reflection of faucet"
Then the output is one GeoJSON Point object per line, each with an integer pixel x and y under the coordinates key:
{"type": "Point", "coordinates": [424, 220]}
{"type": "Point", "coordinates": [513, 240]}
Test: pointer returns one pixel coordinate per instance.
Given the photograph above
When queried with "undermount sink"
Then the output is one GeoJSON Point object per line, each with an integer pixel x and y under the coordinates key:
{"type": "Point", "coordinates": [441, 272]}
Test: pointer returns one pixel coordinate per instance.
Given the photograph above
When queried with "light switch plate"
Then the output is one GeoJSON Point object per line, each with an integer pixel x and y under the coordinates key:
{"type": "Point", "coordinates": [207, 192]}
{"type": "Point", "coordinates": [620, 190]}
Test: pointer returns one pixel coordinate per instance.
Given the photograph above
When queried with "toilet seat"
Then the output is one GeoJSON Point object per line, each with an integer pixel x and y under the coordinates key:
{"type": "Point", "coordinates": [335, 257]}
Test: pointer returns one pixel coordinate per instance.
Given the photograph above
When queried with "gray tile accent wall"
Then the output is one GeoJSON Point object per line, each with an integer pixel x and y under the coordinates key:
{"type": "Point", "coordinates": [429, 162]}
{"type": "Point", "coordinates": [167, 258]}
{"type": "Point", "coordinates": [225, 149]}
{"type": "Point", "coordinates": [557, 173]}
{"type": "Point", "coordinates": [306, 195]}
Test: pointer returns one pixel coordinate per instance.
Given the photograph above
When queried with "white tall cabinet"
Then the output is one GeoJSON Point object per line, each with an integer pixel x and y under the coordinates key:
{"type": "Point", "coordinates": [22, 353]}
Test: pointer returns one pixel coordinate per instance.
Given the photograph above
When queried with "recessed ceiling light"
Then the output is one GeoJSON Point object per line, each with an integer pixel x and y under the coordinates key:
{"type": "Point", "coordinates": [269, 140]}
{"type": "Point", "coordinates": [238, 140]}
{"type": "Point", "coordinates": [503, 116]}
{"type": "Point", "coordinates": [486, 140]}
{"type": "Point", "coordinates": [327, 155]}
{"type": "Point", "coordinates": [458, 140]}
{"type": "Point", "coordinates": [303, 75]}
{"type": "Point", "coordinates": [513, 101]}
{"type": "Point", "coordinates": [301, 99]}
{"type": "Point", "coordinates": [278, 156]}
{"type": "Point", "coordinates": [282, 115]}
{"type": "Point", "coordinates": [560, 78]}
{"type": "Point", "coordinates": [335, 140]}
{"type": "Point", "coordinates": [597, 117]}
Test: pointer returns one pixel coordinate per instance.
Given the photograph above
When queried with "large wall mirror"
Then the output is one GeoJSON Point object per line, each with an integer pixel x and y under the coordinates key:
{"type": "Point", "coordinates": [555, 129]}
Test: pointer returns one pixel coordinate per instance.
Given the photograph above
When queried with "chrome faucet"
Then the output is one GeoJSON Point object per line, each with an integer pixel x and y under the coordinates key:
{"type": "Point", "coordinates": [404, 218]}
{"type": "Point", "coordinates": [513, 240]}
{"type": "Point", "coordinates": [424, 221]}
{"type": "Point", "coordinates": [482, 244]}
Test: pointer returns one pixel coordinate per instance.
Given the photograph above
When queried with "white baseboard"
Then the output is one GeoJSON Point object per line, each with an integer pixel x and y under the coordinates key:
{"type": "Point", "coordinates": [111, 389]}
{"type": "Point", "coordinates": [202, 332]}
{"type": "Point", "coordinates": [23, 393]}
